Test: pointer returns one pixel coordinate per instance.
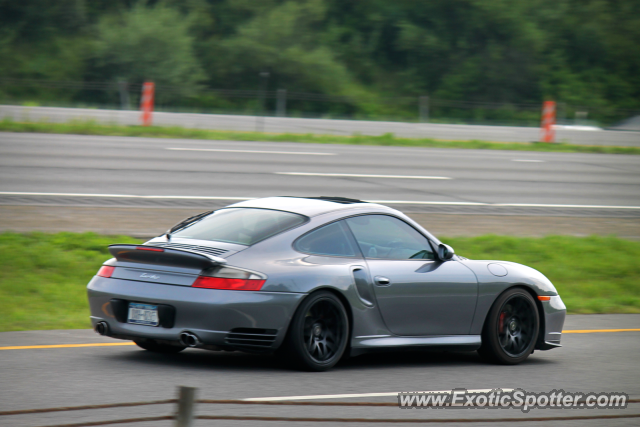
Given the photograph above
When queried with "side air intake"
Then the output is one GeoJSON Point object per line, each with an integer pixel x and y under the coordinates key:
{"type": "Point", "coordinates": [251, 337]}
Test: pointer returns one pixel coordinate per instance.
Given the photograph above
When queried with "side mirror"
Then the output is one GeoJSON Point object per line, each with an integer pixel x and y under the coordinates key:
{"type": "Point", "coordinates": [445, 252]}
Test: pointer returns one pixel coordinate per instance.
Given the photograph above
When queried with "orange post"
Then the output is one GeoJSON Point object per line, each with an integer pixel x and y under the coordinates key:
{"type": "Point", "coordinates": [146, 102]}
{"type": "Point", "coordinates": [548, 133]}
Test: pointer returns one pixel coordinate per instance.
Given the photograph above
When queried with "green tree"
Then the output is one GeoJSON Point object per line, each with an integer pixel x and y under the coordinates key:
{"type": "Point", "coordinates": [581, 52]}
{"type": "Point", "coordinates": [287, 41]}
{"type": "Point", "coordinates": [148, 43]}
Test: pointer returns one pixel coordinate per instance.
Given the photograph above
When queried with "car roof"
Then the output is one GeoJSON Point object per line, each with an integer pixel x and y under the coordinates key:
{"type": "Point", "coordinates": [311, 206]}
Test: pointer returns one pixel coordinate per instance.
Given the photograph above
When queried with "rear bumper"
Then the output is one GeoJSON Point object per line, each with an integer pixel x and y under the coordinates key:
{"type": "Point", "coordinates": [554, 312]}
{"type": "Point", "coordinates": [209, 314]}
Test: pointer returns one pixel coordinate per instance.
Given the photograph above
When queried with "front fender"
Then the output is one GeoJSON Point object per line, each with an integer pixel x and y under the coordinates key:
{"type": "Point", "coordinates": [491, 286]}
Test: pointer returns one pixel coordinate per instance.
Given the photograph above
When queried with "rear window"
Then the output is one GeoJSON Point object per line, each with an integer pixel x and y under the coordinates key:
{"type": "Point", "coordinates": [245, 226]}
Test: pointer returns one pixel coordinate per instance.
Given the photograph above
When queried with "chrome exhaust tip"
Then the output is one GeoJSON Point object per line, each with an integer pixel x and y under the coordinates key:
{"type": "Point", "coordinates": [188, 339]}
{"type": "Point", "coordinates": [102, 328]}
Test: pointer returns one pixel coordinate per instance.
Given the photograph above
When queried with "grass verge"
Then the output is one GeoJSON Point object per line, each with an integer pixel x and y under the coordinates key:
{"type": "Point", "coordinates": [93, 128]}
{"type": "Point", "coordinates": [43, 276]}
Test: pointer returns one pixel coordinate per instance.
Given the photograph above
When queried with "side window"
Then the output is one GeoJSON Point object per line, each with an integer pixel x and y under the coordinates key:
{"type": "Point", "coordinates": [331, 240]}
{"type": "Point", "coordinates": [386, 237]}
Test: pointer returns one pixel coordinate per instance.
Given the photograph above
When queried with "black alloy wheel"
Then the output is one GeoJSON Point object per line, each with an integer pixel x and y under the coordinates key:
{"type": "Point", "coordinates": [153, 346]}
{"type": "Point", "coordinates": [511, 328]}
{"type": "Point", "coordinates": [319, 332]}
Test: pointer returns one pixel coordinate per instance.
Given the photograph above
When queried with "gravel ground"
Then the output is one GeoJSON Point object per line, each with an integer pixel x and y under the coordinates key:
{"type": "Point", "coordinates": [149, 222]}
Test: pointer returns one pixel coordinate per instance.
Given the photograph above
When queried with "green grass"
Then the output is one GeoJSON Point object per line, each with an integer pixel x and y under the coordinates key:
{"type": "Point", "coordinates": [93, 128]}
{"type": "Point", "coordinates": [43, 276]}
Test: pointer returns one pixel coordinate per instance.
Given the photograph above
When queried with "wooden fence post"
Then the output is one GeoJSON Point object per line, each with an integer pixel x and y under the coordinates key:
{"type": "Point", "coordinates": [186, 406]}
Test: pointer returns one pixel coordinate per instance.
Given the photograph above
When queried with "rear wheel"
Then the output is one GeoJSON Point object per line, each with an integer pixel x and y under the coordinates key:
{"type": "Point", "coordinates": [153, 346]}
{"type": "Point", "coordinates": [318, 333]}
{"type": "Point", "coordinates": [511, 328]}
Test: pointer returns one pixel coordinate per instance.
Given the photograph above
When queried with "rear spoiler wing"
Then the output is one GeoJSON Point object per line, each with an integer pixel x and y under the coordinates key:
{"type": "Point", "coordinates": [164, 256]}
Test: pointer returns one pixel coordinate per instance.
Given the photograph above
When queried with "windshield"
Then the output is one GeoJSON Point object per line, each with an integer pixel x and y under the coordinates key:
{"type": "Point", "coordinates": [245, 226]}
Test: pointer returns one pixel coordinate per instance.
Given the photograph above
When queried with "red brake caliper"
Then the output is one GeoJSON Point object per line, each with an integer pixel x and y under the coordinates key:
{"type": "Point", "coordinates": [501, 322]}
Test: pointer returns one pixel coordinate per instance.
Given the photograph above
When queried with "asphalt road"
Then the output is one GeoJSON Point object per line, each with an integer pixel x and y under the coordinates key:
{"type": "Point", "coordinates": [574, 135]}
{"type": "Point", "coordinates": [79, 171]}
{"type": "Point", "coordinates": [54, 377]}
{"type": "Point", "coordinates": [414, 179]}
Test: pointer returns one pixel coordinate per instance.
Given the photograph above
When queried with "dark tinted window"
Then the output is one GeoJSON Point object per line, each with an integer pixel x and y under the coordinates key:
{"type": "Point", "coordinates": [386, 237]}
{"type": "Point", "coordinates": [330, 240]}
{"type": "Point", "coordinates": [245, 226]}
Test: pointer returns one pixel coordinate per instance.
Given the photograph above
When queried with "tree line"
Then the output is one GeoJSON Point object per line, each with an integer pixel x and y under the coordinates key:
{"type": "Point", "coordinates": [582, 53]}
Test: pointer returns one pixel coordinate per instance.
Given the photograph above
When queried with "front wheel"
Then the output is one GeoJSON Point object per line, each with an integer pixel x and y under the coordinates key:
{"type": "Point", "coordinates": [511, 328]}
{"type": "Point", "coordinates": [154, 347]}
{"type": "Point", "coordinates": [318, 333]}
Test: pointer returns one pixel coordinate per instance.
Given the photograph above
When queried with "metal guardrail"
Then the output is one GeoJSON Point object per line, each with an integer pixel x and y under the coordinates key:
{"type": "Point", "coordinates": [184, 415]}
{"type": "Point", "coordinates": [413, 101]}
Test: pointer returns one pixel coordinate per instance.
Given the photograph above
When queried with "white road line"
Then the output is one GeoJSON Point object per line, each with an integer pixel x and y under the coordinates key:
{"type": "Point", "coordinates": [302, 153]}
{"type": "Point", "coordinates": [409, 202]}
{"type": "Point", "coordinates": [356, 175]}
{"type": "Point", "coordinates": [384, 202]}
{"type": "Point", "coordinates": [535, 205]}
{"type": "Point", "coordinates": [355, 395]}
{"type": "Point", "coordinates": [121, 196]}
{"type": "Point", "coordinates": [527, 160]}
{"type": "Point", "coordinates": [530, 205]}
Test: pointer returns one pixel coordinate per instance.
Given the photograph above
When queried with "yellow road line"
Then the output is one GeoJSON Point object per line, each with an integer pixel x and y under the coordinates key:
{"type": "Point", "coordinates": [592, 331]}
{"type": "Point", "coordinates": [104, 344]}
{"type": "Point", "coordinates": [112, 344]}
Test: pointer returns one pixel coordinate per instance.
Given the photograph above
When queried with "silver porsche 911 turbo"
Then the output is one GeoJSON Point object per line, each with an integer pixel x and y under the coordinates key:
{"type": "Point", "coordinates": [316, 279]}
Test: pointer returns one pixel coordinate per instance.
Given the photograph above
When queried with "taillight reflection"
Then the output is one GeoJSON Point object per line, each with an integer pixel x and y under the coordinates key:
{"type": "Point", "coordinates": [147, 248]}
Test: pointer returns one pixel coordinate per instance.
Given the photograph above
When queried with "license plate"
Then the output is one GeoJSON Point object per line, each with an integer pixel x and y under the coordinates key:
{"type": "Point", "coordinates": [143, 314]}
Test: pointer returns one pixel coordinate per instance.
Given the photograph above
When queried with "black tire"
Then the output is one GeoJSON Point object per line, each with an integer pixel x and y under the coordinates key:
{"type": "Point", "coordinates": [159, 348]}
{"type": "Point", "coordinates": [511, 328]}
{"type": "Point", "coordinates": [318, 334]}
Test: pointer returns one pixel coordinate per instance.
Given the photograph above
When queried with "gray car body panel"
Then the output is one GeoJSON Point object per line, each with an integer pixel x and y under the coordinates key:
{"type": "Point", "coordinates": [454, 305]}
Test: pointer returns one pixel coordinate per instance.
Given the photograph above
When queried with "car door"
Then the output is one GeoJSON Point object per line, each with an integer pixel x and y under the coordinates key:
{"type": "Point", "coordinates": [416, 293]}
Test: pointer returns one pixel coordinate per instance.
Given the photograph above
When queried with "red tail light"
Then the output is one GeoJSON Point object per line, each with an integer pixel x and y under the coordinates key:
{"type": "Point", "coordinates": [105, 271]}
{"type": "Point", "coordinates": [228, 284]}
